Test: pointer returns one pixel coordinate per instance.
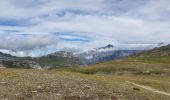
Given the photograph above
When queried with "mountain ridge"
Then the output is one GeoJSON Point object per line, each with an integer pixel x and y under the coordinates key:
{"type": "Point", "coordinates": [67, 58]}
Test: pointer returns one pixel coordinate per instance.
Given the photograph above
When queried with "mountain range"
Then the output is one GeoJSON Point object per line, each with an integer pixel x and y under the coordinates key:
{"type": "Point", "coordinates": [105, 53]}
{"type": "Point", "coordinates": [68, 58]}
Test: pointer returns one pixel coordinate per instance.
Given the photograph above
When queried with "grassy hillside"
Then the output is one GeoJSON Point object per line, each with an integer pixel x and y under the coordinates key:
{"type": "Point", "coordinates": [123, 67]}
{"type": "Point", "coordinates": [157, 55]}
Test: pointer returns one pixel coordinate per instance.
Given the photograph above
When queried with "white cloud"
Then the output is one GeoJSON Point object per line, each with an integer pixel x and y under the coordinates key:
{"type": "Point", "coordinates": [102, 22]}
{"type": "Point", "coordinates": [18, 42]}
{"type": "Point", "coordinates": [122, 29]}
{"type": "Point", "coordinates": [154, 10]}
{"type": "Point", "coordinates": [17, 9]}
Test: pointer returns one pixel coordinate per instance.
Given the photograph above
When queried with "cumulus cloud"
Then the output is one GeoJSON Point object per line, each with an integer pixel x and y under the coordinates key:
{"type": "Point", "coordinates": [25, 42]}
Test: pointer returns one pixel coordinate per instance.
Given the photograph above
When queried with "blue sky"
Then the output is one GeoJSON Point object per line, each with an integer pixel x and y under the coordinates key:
{"type": "Point", "coordinates": [38, 27]}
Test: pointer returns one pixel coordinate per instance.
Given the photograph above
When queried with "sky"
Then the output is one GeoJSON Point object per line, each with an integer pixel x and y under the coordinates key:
{"type": "Point", "coordinates": [39, 27]}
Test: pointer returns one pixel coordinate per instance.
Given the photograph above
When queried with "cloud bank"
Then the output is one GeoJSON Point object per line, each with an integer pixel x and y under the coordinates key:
{"type": "Point", "coordinates": [55, 24]}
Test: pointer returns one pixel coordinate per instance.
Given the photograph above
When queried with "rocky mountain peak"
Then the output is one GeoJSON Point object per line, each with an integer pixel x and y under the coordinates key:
{"type": "Point", "coordinates": [109, 46]}
{"type": "Point", "coordinates": [106, 48]}
{"type": "Point", "coordinates": [62, 54]}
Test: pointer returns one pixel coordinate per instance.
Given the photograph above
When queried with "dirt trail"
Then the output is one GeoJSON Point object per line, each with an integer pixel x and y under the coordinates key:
{"type": "Point", "coordinates": [149, 88]}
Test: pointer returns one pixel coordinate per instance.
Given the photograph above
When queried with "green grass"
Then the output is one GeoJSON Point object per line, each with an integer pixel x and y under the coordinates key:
{"type": "Point", "coordinates": [153, 59]}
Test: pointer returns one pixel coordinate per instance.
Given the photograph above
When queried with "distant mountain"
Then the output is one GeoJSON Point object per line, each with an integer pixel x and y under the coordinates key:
{"type": "Point", "coordinates": [7, 60]}
{"type": "Point", "coordinates": [163, 51]}
{"type": "Point", "coordinates": [58, 59]}
{"type": "Point", "coordinates": [5, 55]}
{"type": "Point", "coordinates": [62, 54]}
{"type": "Point", "coordinates": [65, 58]}
{"type": "Point", "coordinates": [109, 47]}
{"type": "Point", "coordinates": [105, 53]}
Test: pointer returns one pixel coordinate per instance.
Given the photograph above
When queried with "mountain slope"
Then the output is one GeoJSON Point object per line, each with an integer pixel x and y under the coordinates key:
{"type": "Point", "coordinates": [57, 59]}
{"type": "Point", "coordinates": [152, 62]}
{"type": "Point", "coordinates": [159, 51]}
{"type": "Point", "coordinates": [10, 61]}
{"type": "Point", "coordinates": [65, 58]}
{"type": "Point", "coordinates": [157, 55]}
{"type": "Point", "coordinates": [105, 53]}
{"type": "Point", "coordinates": [2, 55]}
{"type": "Point", "coordinates": [68, 58]}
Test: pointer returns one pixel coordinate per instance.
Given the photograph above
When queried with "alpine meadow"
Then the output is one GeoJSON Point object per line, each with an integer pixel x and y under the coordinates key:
{"type": "Point", "coordinates": [84, 50]}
